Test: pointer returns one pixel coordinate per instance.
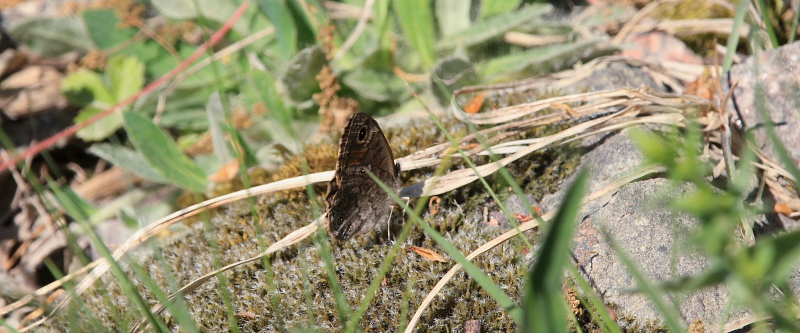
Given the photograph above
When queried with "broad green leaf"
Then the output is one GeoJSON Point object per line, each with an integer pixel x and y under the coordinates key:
{"type": "Point", "coordinates": [162, 154]}
{"type": "Point", "coordinates": [494, 7]}
{"type": "Point", "coordinates": [101, 129]}
{"type": "Point", "coordinates": [539, 60]}
{"type": "Point", "coordinates": [51, 36]}
{"type": "Point", "coordinates": [101, 24]}
{"type": "Point", "coordinates": [127, 159]}
{"type": "Point", "coordinates": [452, 16]}
{"type": "Point", "coordinates": [153, 55]}
{"type": "Point", "coordinates": [190, 118]}
{"type": "Point", "coordinates": [300, 78]}
{"type": "Point", "coordinates": [543, 304]}
{"type": "Point", "coordinates": [416, 20]}
{"type": "Point", "coordinates": [85, 87]}
{"type": "Point", "coordinates": [126, 76]}
{"type": "Point", "coordinates": [374, 85]}
{"type": "Point", "coordinates": [216, 10]}
{"type": "Point", "coordinates": [158, 61]}
{"type": "Point", "coordinates": [285, 31]}
{"type": "Point", "coordinates": [494, 27]}
{"type": "Point", "coordinates": [381, 19]}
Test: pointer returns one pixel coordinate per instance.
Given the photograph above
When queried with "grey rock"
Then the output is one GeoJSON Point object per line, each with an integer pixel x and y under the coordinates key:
{"type": "Point", "coordinates": [653, 236]}
{"type": "Point", "coordinates": [776, 73]}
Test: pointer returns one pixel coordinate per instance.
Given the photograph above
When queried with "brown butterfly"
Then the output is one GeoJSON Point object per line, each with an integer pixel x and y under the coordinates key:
{"type": "Point", "coordinates": [355, 201]}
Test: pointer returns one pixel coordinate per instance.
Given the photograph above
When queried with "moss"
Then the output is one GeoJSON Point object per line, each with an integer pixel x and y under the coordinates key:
{"type": "Point", "coordinates": [188, 255]}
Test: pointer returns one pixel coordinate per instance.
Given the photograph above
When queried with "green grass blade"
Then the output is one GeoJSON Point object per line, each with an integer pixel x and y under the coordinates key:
{"type": "Point", "coordinates": [416, 20]}
{"type": "Point", "coordinates": [543, 307]}
{"type": "Point", "coordinates": [733, 37]}
{"type": "Point", "coordinates": [765, 11]}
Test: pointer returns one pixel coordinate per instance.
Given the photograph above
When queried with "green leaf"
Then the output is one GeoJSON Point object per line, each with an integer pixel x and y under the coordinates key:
{"type": "Point", "coordinates": [162, 154]}
{"type": "Point", "coordinates": [543, 304]}
{"type": "Point", "coordinates": [127, 159]}
{"type": "Point", "coordinates": [783, 252]}
{"type": "Point", "coordinates": [84, 87]}
{"type": "Point", "coordinates": [285, 31]}
{"type": "Point", "coordinates": [494, 7]}
{"type": "Point", "coordinates": [216, 122]}
{"type": "Point", "coordinates": [375, 85]}
{"type": "Point", "coordinates": [101, 24]}
{"type": "Point", "coordinates": [494, 27]}
{"type": "Point", "coordinates": [51, 36]}
{"type": "Point", "coordinates": [216, 10]}
{"type": "Point", "coordinates": [126, 77]}
{"type": "Point", "coordinates": [654, 148]}
{"type": "Point", "coordinates": [452, 16]}
{"type": "Point", "coordinates": [311, 14]}
{"type": "Point", "coordinates": [416, 20]}
{"type": "Point", "coordinates": [300, 78]}
{"type": "Point", "coordinates": [539, 60]}
{"type": "Point", "coordinates": [101, 129]}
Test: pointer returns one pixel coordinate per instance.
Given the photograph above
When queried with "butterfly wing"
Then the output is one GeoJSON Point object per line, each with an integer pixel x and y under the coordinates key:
{"type": "Point", "coordinates": [354, 200]}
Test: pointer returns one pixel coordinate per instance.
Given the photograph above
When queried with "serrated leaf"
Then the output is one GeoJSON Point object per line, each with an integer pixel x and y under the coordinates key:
{"type": "Point", "coordinates": [162, 154]}
{"type": "Point", "coordinates": [453, 16]}
{"type": "Point", "coordinates": [127, 159]}
{"type": "Point", "coordinates": [51, 36]}
{"type": "Point", "coordinates": [125, 75]}
{"type": "Point", "coordinates": [416, 20]}
{"type": "Point", "coordinates": [494, 27]}
{"type": "Point", "coordinates": [101, 129]}
{"type": "Point", "coordinates": [374, 85]}
{"type": "Point", "coordinates": [84, 87]}
{"type": "Point", "coordinates": [101, 24]}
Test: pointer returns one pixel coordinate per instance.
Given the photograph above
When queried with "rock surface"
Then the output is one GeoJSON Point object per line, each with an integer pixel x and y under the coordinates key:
{"type": "Point", "coordinates": [777, 74]}
{"type": "Point", "coordinates": [653, 236]}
